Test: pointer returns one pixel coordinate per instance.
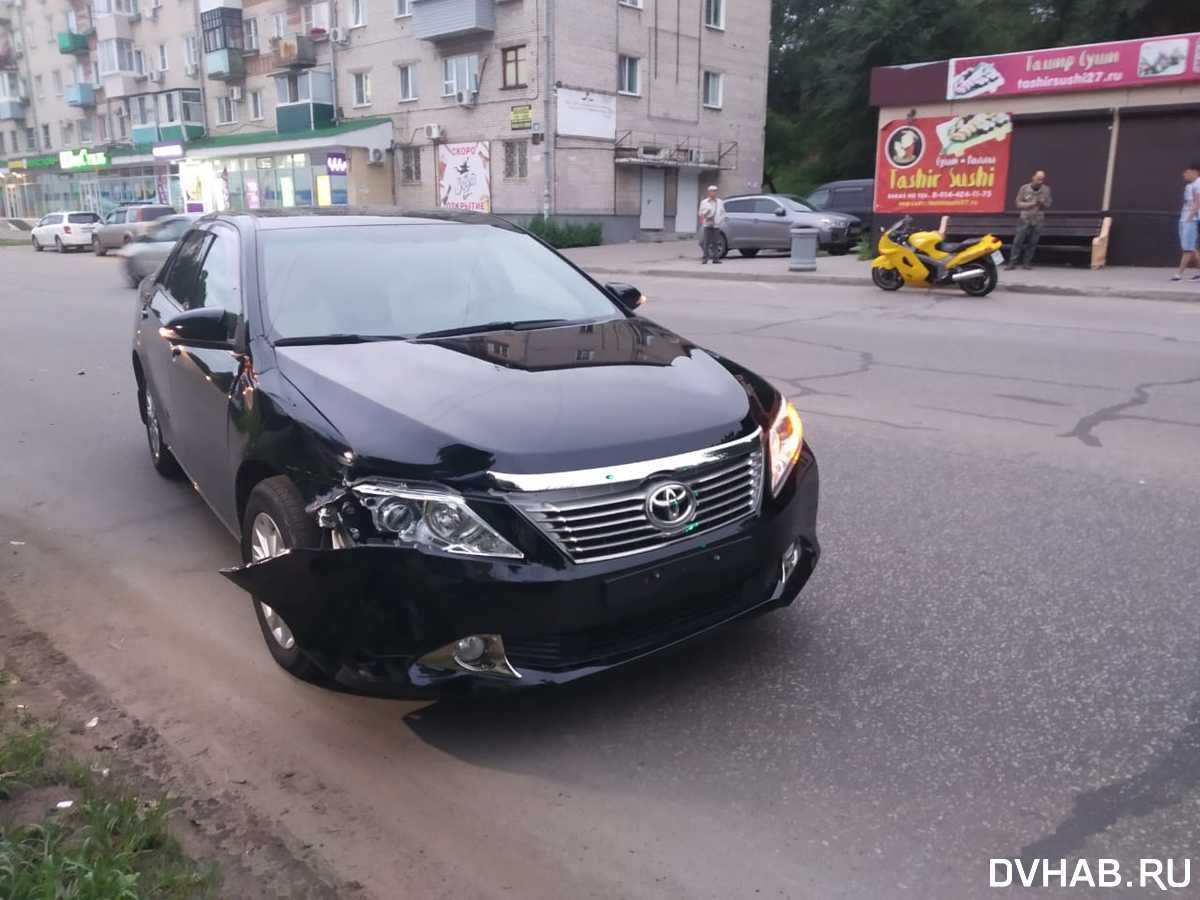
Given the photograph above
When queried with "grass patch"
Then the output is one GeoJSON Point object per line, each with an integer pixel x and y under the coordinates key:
{"type": "Point", "coordinates": [109, 845]}
{"type": "Point", "coordinates": [865, 248]}
{"type": "Point", "coordinates": [562, 235]}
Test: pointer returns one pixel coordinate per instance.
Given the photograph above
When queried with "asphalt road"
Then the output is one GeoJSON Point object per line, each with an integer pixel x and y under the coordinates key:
{"type": "Point", "coordinates": [997, 656]}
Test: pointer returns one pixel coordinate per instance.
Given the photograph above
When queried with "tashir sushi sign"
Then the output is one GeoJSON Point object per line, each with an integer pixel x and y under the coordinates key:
{"type": "Point", "coordinates": [943, 165]}
{"type": "Point", "coordinates": [1116, 65]}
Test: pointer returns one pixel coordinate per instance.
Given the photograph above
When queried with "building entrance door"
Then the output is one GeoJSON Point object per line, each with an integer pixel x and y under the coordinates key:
{"type": "Point", "coordinates": [687, 202]}
{"type": "Point", "coordinates": [654, 190]}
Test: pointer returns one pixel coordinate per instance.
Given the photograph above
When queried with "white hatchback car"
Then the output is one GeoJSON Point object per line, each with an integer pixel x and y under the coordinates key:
{"type": "Point", "coordinates": [65, 230]}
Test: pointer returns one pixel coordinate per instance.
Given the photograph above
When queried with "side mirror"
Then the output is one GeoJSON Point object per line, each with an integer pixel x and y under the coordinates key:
{"type": "Point", "coordinates": [781, 211]}
{"type": "Point", "coordinates": [628, 296]}
{"type": "Point", "coordinates": [207, 325]}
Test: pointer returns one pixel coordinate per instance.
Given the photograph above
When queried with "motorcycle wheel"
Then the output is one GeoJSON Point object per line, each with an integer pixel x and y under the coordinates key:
{"type": "Point", "coordinates": [980, 287]}
{"type": "Point", "coordinates": [887, 279]}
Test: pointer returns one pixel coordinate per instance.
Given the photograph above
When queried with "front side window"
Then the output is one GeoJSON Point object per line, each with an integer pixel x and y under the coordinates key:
{"type": "Point", "coordinates": [180, 275]}
{"type": "Point", "coordinates": [460, 73]}
{"type": "Point", "coordinates": [629, 75]}
{"type": "Point", "coordinates": [514, 66]}
{"type": "Point", "coordinates": [408, 82]}
{"type": "Point", "coordinates": [714, 90]}
{"type": "Point", "coordinates": [362, 88]}
{"type": "Point", "coordinates": [386, 274]}
{"type": "Point", "coordinates": [714, 13]}
{"type": "Point", "coordinates": [218, 284]}
{"type": "Point", "coordinates": [819, 199]}
{"type": "Point", "coordinates": [410, 165]}
{"type": "Point", "coordinates": [516, 159]}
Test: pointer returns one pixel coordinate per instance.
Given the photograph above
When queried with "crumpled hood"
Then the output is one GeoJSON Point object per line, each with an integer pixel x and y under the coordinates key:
{"type": "Point", "coordinates": [553, 399]}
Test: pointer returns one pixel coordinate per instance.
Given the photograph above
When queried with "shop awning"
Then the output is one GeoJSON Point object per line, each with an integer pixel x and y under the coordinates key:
{"type": "Point", "coordinates": [371, 134]}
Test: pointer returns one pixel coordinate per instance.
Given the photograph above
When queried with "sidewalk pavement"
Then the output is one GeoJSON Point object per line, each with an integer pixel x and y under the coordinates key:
{"type": "Point", "coordinates": [681, 259]}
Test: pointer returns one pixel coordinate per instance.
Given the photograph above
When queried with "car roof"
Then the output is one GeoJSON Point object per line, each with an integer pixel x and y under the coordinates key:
{"type": "Point", "coordinates": [324, 217]}
{"type": "Point", "coordinates": [70, 212]}
{"type": "Point", "coordinates": [846, 182]}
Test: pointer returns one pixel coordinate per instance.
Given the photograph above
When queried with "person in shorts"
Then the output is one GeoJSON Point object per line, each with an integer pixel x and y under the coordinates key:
{"type": "Point", "coordinates": [1189, 222]}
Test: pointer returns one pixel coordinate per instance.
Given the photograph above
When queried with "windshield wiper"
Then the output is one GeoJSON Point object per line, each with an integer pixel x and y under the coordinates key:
{"type": "Point", "coordinates": [520, 325]}
{"type": "Point", "coordinates": [314, 339]}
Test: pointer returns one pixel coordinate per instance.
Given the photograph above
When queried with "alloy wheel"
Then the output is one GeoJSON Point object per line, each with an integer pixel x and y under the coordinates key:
{"type": "Point", "coordinates": [266, 542]}
{"type": "Point", "coordinates": [153, 434]}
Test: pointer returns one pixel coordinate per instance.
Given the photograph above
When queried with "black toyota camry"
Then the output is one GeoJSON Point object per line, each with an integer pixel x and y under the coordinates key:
{"type": "Point", "coordinates": [453, 460]}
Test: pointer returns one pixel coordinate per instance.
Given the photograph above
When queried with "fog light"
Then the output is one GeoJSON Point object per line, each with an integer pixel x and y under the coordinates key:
{"type": "Point", "coordinates": [470, 650]}
{"type": "Point", "coordinates": [791, 558]}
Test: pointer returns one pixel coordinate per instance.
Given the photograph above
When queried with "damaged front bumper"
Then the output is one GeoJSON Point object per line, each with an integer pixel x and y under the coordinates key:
{"type": "Point", "coordinates": [384, 620]}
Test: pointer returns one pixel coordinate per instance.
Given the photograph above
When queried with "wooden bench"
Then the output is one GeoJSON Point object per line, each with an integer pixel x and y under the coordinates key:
{"type": "Point", "coordinates": [1061, 231]}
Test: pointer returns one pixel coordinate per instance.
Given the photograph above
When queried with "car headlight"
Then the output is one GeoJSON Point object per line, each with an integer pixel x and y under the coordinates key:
{"type": "Point", "coordinates": [826, 222]}
{"type": "Point", "coordinates": [784, 441]}
{"type": "Point", "coordinates": [429, 517]}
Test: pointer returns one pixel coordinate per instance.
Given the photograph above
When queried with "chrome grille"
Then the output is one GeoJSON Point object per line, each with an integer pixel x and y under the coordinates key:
{"type": "Point", "coordinates": [604, 521]}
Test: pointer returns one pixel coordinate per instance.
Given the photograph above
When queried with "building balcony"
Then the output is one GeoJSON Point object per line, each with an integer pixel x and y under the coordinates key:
{"type": "Point", "coordinates": [295, 51]}
{"type": "Point", "coordinates": [81, 95]}
{"type": "Point", "coordinates": [443, 20]}
{"type": "Point", "coordinates": [225, 65]}
{"type": "Point", "coordinates": [12, 109]}
{"type": "Point", "coordinates": [72, 42]}
{"type": "Point", "coordinates": [290, 117]}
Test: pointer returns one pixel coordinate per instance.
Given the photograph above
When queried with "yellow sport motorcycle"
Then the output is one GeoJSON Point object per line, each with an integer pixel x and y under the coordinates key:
{"type": "Point", "coordinates": [922, 259]}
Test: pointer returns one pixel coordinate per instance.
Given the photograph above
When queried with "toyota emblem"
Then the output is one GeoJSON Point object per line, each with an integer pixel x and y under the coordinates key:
{"type": "Point", "coordinates": [670, 506]}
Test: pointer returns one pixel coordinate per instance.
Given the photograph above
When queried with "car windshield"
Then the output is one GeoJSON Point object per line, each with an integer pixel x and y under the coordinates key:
{"type": "Point", "coordinates": [794, 202]}
{"type": "Point", "coordinates": [412, 279]}
{"type": "Point", "coordinates": [150, 213]}
{"type": "Point", "coordinates": [170, 230]}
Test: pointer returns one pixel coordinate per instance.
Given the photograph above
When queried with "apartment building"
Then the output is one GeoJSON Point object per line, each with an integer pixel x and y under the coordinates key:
{"type": "Point", "coordinates": [616, 111]}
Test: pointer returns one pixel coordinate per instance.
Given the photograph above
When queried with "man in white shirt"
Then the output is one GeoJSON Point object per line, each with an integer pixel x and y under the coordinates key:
{"type": "Point", "coordinates": [712, 216]}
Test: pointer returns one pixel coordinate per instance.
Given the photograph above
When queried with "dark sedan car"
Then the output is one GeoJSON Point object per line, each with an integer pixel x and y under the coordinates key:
{"type": "Point", "coordinates": [453, 460]}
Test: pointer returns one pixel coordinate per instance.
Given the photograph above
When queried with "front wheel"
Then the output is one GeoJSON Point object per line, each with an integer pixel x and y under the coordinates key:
{"type": "Point", "coordinates": [37, 248]}
{"type": "Point", "coordinates": [275, 521]}
{"type": "Point", "coordinates": [886, 279]}
{"type": "Point", "coordinates": [97, 247]}
{"type": "Point", "coordinates": [160, 454]}
{"type": "Point", "coordinates": [58, 245]}
{"type": "Point", "coordinates": [749, 252]}
{"type": "Point", "coordinates": [984, 284]}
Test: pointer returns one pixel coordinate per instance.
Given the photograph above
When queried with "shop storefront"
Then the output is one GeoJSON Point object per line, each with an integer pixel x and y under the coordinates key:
{"type": "Point", "coordinates": [85, 179]}
{"type": "Point", "coordinates": [1113, 125]}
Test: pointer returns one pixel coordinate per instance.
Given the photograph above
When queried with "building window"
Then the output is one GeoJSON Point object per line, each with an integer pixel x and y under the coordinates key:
{"type": "Point", "coordinates": [714, 13]}
{"type": "Point", "coordinates": [362, 88]}
{"type": "Point", "coordinates": [45, 137]}
{"type": "Point", "coordinates": [514, 66]}
{"type": "Point", "coordinates": [278, 24]}
{"type": "Point", "coordinates": [403, 8]}
{"type": "Point", "coordinates": [460, 73]}
{"type": "Point", "coordinates": [628, 75]}
{"type": "Point", "coordinates": [714, 89]}
{"type": "Point", "coordinates": [410, 165]}
{"type": "Point", "coordinates": [85, 131]}
{"type": "Point", "coordinates": [141, 109]}
{"type": "Point", "coordinates": [226, 111]}
{"type": "Point", "coordinates": [222, 29]}
{"type": "Point", "coordinates": [72, 21]}
{"type": "Point", "coordinates": [139, 61]}
{"type": "Point", "coordinates": [50, 38]}
{"type": "Point", "coordinates": [358, 13]}
{"type": "Point", "coordinates": [162, 58]}
{"type": "Point", "coordinates": [30, 140]}
{"type": "Point", "coordinates": [125, 7]}
{"type": "Point", "coordinates": [101, 7]}
{"type": "Point", "coordinates": [636, 4]}
{"type": "Point", "coordinates": [408, 82]}
{"type": "Point", "coordinates": [191, 50]}
{"type": "Point", "coordinates": [516, 159]}
{"type": "Point", "coordinates": [57, 76]}
{"type": "Point", "coordinates": [190, 106]}
{"type": "Point", "coordinates": [68, 136]}
{"type": "Point", "coordinates": [315, 17]}
{"type": "Point", "coordinates": [250, 33]}
{"type": "Point", "coordinates": [102, 129]}
{"type": "Point", "coordinates": [39, 87]}
{"type": "Point", "coordinates": [293, 89]}
{"type": "Point", "coordinates": [256, 105]}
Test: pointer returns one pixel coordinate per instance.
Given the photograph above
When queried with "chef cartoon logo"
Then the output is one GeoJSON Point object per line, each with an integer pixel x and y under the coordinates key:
{"type": "Point", "coordinates": [905, 146]}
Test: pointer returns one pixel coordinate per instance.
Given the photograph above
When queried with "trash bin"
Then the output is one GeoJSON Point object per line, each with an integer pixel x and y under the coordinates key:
{"type": "Point", "coordinates": [804, 249]}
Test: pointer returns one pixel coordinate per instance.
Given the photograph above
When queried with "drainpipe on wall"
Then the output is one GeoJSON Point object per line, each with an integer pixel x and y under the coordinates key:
{"type": "Point", "coordinates": [1114, 135]}
{"type": "Point", "coordinates": [333, 81]}
{"type": "Point", "coordinates": [550, 128]}
{"type": "Point", "coordinates": [200, 71]}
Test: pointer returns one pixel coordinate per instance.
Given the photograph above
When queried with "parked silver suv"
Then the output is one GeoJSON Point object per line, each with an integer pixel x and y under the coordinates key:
{"type": "Point", "coordinates": [125, 224]}
{"type": "Point", "coordinates": [756, 222]}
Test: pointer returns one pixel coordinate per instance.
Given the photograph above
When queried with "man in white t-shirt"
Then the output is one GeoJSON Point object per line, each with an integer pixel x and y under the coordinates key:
{"type": "Point", "coordinates": [712, 216]}
{"type": "Point", "coordinates": [1189, 221]}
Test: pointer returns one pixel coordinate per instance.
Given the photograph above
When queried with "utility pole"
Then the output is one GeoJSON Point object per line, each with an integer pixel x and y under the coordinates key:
{"type": "Point", "coordinates": [549, 127]}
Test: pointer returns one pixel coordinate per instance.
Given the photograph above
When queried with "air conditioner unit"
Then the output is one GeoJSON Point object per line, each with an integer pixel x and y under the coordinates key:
{"type": "Point", "coordinates": [649, 151]}
{"type": "Point", "coordinates": [156, 76]}
{"type": "Point", "coordinates": [191, 70]}
{"type": "Point", "coordinates": [234, 93]}
{"type": "Point", "coordinates": [466, 98]}
{"type": "Point", "coordinates": [375, 157]}
{"type": "Point", "coordinates": [433, 132]}
{"type": "Point", "coordinates": [339, 35]}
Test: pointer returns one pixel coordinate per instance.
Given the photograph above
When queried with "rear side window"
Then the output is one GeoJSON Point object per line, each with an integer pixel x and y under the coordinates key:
{"type": "Point", "coordinates": [150, 213]}
{"type": "Point", "coordinates": [739, 206]}
{"type": "Point", "coordinates": [765, 206]}
{"type": "Point", "coordinates": [83, 218]}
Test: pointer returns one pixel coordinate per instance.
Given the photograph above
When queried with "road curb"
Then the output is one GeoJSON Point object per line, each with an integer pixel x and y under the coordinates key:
{"type": "Point", "coordinates": [856, 281]}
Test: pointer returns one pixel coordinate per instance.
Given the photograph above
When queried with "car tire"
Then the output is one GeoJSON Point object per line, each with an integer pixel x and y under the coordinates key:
{"type": "Point", "coordinates": [37, 248]}
{"type": "Point", "coordinates": [97, 247]}
{"type": "Point", "coordinates": [161, 457]}
{"type": "Point", "coordinates": [749, 252]}
{"type": "Point", "coordinates": [58, 245]}
{"type": "Point", "coordinates": [722, 245]}
{"type": "Point", "coordinates": [274, 521]}
{"type": "Point", "coordinates": [838, 251]}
